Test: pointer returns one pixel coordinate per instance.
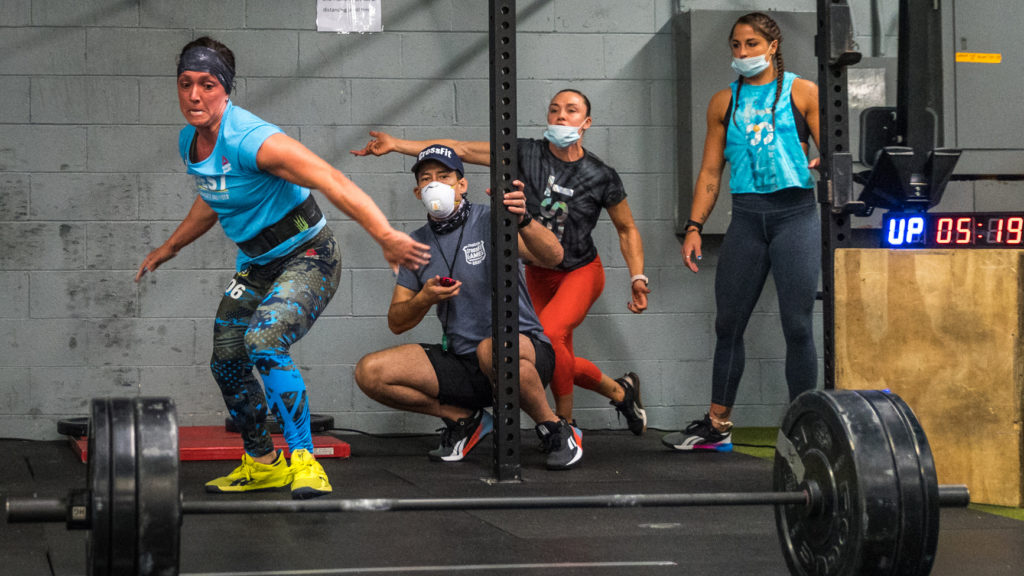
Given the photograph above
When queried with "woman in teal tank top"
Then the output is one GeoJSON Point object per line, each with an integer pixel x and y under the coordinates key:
{"type": "Point", "coordinates": [255, 181]}
{"type": "Point", "coordinates": [760, 125]}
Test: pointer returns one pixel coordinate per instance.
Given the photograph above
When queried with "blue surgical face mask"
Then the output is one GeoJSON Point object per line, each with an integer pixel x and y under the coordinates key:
{"type": "Point", "coordinates": [752, 66]}
{"type": "Point", "coordinates": [562, 136]}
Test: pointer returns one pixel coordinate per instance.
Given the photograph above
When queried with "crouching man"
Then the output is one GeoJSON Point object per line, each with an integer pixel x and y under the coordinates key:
{"type": "Point", "coordinates": [452, 379]}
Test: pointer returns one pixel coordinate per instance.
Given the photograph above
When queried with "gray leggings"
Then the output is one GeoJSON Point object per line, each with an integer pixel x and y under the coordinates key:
{"type": "Point", "coordinates": [779, 232]}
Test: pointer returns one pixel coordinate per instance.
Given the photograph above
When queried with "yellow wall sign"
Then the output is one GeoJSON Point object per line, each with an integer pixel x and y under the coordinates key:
{"type": "Point", "coordinates": [979, 57]}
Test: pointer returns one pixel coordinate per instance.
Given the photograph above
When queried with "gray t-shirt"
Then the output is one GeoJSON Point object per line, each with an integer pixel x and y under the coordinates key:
{"type": "Point", "coordinates": [468, 315]}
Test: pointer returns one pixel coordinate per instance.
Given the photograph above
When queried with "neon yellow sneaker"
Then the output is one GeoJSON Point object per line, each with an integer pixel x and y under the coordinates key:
{"type": "Point", "coordinates": [252, 475]}
{"type": "Point", "coordinates": [310, 480]}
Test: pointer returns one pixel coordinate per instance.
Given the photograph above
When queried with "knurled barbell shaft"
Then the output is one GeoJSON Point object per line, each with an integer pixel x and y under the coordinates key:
{"type": "Point", "coordinates": [950, 495]}
{"type": "Point", "coordinates": [56, 509]}
{"type": "Point", "coordinates": [413, 504]}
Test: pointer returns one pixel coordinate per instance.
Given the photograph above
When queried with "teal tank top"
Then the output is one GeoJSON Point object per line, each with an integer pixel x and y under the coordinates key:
{"type": "Point", "coordinates": [245, 198]}
{"type": "Point", "coordinates": [764, 158]}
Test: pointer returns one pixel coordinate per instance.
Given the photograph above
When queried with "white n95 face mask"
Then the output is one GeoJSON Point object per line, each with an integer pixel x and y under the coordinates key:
{"type": "Point", "coordinates": [439, 198]}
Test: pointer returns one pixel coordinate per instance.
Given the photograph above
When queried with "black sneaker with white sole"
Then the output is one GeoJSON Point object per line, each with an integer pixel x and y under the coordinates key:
{"type": "Point", "coordinates": [458, 438]}
{"type": "Point", "coordinates": [631, 407]}
{"type": "Point", "coordinates": [563, 443]}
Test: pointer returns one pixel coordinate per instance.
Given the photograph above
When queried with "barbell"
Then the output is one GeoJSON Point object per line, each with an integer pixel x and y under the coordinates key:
{"type": "Point", "coordinates": [854, 490]}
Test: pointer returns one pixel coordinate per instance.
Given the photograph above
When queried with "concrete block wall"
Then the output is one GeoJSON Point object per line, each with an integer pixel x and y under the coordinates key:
{"type": "Point", "coordinates": [90, 181]}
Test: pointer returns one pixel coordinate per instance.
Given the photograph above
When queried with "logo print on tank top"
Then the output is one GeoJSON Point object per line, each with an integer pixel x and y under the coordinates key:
{"type": "Point", "coordinates": [761, 138]}
{"type": "Point", "coordinates": [761, 132]}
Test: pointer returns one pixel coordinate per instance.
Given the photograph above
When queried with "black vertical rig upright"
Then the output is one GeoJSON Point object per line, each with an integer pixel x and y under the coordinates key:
{"type": "Point", "coordinates": [504, 242]}
{"type": "Point", "coordinates": [919, 92]}
{"type": "Point", "coordinates": [833, 47]}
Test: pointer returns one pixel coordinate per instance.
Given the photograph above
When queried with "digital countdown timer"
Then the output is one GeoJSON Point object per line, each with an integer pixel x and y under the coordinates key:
{"type": "Point", "coordinates": [953, 230]}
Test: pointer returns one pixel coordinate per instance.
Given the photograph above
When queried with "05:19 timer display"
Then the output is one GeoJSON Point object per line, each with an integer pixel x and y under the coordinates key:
{"type": "Point", "coordinates": [953, 230]}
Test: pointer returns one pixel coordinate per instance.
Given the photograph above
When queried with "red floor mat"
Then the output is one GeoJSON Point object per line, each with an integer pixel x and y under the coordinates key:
{"type": "Point", "coordinates": [215, 443]}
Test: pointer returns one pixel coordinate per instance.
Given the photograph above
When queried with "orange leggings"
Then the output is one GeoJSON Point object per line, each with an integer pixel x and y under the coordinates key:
{"type": "Point", "coordinates": [562, 300]}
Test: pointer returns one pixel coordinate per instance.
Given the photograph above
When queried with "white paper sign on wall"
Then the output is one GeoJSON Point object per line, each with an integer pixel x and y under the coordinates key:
{"type": "Point", "coordinates": [346, 16]}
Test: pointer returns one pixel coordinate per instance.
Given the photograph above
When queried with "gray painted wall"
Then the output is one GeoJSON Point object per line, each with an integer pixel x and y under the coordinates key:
{"type": "Point", "coordinates": [90, 181]}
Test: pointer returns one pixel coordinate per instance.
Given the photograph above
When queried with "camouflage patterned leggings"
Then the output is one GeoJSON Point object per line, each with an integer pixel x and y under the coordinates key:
{"type": "Point", "coordinates": [265, 309]}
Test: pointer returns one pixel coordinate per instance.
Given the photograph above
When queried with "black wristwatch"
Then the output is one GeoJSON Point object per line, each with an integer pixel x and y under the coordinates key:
{"type": "Point", "coordinates": [699, 226]}
{"type": "Point", "coordinates": [526, 220]}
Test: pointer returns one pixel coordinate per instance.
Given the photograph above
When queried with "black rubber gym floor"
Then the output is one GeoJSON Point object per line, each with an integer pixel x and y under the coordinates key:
{"type": "Point", "coordinates": [598, 542]}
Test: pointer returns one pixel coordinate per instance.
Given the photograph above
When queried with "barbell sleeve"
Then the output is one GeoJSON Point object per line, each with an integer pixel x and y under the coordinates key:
{"type": "Point", "coordinates": [954, 496]}
{"type": "Point", "coordinates": [21, 510]}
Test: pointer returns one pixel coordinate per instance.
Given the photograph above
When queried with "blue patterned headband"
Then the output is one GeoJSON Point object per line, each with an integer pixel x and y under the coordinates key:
{"type": "Point", "coordinates": [203, 59]}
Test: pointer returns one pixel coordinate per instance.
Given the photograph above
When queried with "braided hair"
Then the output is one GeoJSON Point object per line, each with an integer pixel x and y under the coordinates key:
{"type": "Point", "coordinates": [768, 29]}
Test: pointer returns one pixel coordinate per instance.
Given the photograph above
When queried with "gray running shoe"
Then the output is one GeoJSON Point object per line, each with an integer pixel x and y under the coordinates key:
{"type": "Point", "coordinates": [699, 435]}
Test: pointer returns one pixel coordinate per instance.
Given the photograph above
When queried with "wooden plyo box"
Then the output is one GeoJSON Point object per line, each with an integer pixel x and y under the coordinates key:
{"type": "Point", "coordinates": [943, 330]}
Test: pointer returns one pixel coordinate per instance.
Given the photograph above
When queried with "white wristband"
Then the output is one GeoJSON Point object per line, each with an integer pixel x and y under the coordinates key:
{"type": "Point", "coordinates": [636, 277]}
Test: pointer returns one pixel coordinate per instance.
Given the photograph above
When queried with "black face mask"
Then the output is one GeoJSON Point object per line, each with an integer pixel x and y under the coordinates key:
{"type": "Point", "coordinates": [453, 222]}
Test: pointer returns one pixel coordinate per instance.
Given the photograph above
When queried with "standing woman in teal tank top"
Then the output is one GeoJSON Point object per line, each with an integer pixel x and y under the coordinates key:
{"type": "Point", "coordinates": [257, 183]}
{"type": "Point", "coordinates": [760, 125]}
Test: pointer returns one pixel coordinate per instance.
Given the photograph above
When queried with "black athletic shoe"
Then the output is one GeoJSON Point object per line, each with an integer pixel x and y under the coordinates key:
{"type": "Point", "coordinates": [458, 438]}
{"type": "Point", "coordinates": [699, 435]}
{"type": "Point", "coordinates": [545, 448]}
{"type": "Point", "coordinates": [563, 443]}
{"type": "Point", "coordinates": [631, 407]}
